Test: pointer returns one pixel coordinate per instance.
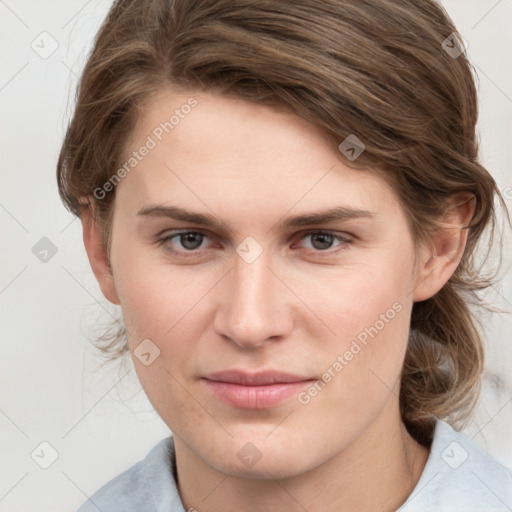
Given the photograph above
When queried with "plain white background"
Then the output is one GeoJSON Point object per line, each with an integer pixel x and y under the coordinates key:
{"type": "Point", "coordinates": [53, 387]}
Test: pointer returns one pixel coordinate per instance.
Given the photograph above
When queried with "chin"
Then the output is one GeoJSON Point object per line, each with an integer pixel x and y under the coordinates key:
{"type": "Point", "coordinates": [269, 469]}
{"type": "Point", "coordinates": [261, 459]}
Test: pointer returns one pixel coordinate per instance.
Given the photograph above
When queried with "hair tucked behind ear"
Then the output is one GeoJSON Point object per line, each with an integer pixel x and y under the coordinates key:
{"type": "Point", "coordinates": [377, 69]}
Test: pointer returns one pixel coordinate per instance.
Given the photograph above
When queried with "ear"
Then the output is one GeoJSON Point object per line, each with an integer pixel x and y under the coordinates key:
{"type": "Point", "coordinates": [97, 252]}
{"type": "Point", "coordinates": [441, 258]}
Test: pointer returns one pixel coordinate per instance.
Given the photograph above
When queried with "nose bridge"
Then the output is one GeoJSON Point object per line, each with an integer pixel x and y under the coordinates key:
{"type": "Point", "coordinates": [254, 307]}
{"type": "Point", "coordinates": [251, 283]}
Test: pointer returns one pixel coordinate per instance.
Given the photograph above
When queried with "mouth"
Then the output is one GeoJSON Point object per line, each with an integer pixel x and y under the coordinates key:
{"type": "Point", "coordinates": [255, 391]}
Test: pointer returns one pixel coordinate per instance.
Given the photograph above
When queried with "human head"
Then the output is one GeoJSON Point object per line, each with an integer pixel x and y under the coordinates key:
{"type": "Point", "coordinates": [374, 69]}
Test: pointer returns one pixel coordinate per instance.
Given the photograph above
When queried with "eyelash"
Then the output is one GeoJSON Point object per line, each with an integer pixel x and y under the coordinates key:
{"type": "Point", "coordinates": [345, 242]}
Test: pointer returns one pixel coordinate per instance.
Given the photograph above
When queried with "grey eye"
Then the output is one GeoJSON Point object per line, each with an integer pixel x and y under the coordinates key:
{"type": "Point", "coordinates": [191, 240]}
{"type": "Point", "coordinates": [321, 240]}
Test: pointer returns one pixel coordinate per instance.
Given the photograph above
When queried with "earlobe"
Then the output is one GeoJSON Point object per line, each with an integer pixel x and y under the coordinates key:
{"type": "Point", "coordinates": [97, 253]}
{"type": "Point", "coordinates": [439, 261]}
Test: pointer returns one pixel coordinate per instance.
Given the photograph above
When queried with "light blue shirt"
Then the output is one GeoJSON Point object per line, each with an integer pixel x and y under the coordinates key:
{"type": "Point", "coordinates": [458, 477]}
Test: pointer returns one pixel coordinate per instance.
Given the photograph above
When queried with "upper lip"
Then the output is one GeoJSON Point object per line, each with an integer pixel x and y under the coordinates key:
{"type": "Point", "coordinates": [255, 379]}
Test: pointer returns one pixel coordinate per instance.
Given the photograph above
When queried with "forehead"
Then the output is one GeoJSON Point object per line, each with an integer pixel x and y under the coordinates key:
{"type": "Point", "coordinates": [206, 148]}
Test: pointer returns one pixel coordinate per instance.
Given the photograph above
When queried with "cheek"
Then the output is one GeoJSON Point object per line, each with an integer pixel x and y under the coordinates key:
{"type": "Point", "coordinates": [359, 301]}
{"type": "Point", "coordinates": [164, 306]}
{"type": "Point", "coordinates": [155, 295]}
{"type": "Point", "coordinates": [367, 307]}
{"type": "Point", "coordinates": [168, 305]}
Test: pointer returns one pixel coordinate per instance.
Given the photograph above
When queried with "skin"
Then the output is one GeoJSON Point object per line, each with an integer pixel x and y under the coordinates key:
{"type": "Point", "coordinates": [295, 308]}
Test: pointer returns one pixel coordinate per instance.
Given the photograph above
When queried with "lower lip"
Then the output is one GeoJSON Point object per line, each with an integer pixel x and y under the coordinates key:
{"type": "Point", "coordinates": [255, 397]}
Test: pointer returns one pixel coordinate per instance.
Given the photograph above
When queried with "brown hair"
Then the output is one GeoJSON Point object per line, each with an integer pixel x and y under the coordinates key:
{"type": "Point", "coordinates": [379, 69]}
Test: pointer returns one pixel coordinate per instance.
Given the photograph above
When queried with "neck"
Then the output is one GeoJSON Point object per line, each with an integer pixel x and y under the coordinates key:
{"type": "Point", "coordinates": [377, 472]}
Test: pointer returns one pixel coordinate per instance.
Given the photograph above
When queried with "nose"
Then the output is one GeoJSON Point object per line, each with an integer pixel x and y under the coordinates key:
{"type": "Point", "coordinates": [256, 307]}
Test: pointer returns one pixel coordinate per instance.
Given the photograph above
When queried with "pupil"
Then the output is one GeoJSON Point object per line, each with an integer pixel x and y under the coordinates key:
{"type": "Point", "coordinates": [187, 240]}
{"type": "Point", "coordinates": [324, 239]}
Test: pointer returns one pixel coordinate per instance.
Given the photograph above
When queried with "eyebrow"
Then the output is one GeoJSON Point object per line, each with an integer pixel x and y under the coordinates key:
{"type": "Point", "coordinates": [339, 213]}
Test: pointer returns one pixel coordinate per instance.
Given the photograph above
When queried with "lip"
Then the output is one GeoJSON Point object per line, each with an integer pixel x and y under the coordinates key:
{"type": "Point", "coordinates": [255, 390]}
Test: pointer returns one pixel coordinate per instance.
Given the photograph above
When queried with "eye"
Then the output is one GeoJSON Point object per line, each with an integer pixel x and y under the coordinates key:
{"type": "Point", "coordinates": [321, 241]}
{"type": "Point", "coordinates": [187, 241]}
{"type": "Point", "coordinates": [191, 240]}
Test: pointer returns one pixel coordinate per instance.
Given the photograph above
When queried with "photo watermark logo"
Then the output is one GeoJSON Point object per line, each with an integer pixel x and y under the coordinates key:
{"type": "Point", "coordinates": [157, 135]}
{"type": "Point", "coordinates": [355, 348]}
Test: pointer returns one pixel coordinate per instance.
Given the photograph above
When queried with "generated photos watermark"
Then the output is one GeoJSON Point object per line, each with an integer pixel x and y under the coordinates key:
{"type": "Point", "coordinates": [356, 346]}
{"type": "Point", "coordinates": [157, 135]}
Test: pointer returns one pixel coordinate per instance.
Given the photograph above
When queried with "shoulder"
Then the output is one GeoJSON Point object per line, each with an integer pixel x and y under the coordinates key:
{"type": "Point", "coordinates": [459, 475]}
{"type": "Point", "coordinates": [148, 485]}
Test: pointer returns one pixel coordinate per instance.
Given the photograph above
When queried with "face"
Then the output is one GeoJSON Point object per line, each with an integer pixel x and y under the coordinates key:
{"type": "Point", "coordinates": [272, 338]}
